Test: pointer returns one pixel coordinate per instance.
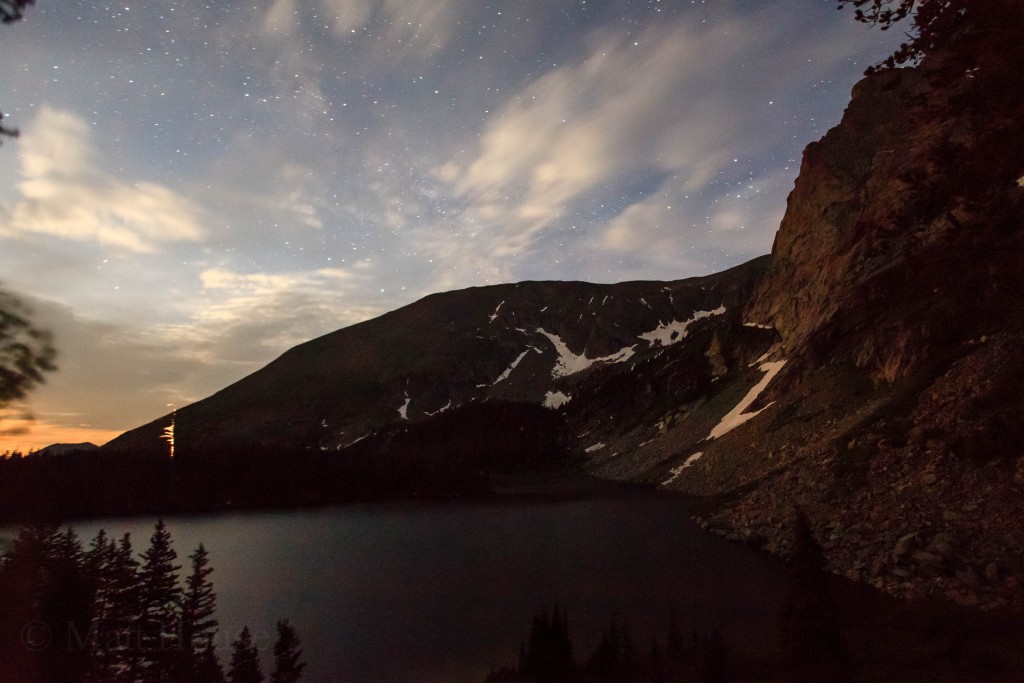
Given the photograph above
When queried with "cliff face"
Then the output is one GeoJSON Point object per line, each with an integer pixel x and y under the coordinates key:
{"type": "Point", "coordinates": [895, 287]}
{"type": "Point", "coordinates": [902, 236]}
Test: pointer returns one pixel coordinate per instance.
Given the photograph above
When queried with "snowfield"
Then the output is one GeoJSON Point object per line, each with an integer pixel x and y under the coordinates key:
{"type": "Point", "coordinates": [667, 334]}
{"type": "Point", "coordinates": [735, 417]}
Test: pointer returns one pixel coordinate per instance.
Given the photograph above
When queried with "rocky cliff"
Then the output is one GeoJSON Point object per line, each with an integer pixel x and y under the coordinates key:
{"type": "Point", "coordinates": [895, 289]}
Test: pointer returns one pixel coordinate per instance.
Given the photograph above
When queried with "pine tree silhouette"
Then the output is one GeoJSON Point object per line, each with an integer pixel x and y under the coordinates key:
{"type": "Point", "coordinates": [24, 578]}
{"type": "Point", "coordinates": [159, 600]}
{"type": "Point", "coordinates": [287, 653]}
{"type": "Point", "coordinates": [66, 605]}
{"type": "Point", "coordinates": [198, 607]}
{"type": "Point", "coordinates": [245, 660]}
{"type": "Point", "coordinates": [808, 635]}
{"type": "Point", "coordinates": [120, 635]}
{"type": "Point", "coordinates": [548, 653]}
{"type": "Point", "coordinates": [207, 666]}
{"type": "Point", "coordinates": [675, 646]}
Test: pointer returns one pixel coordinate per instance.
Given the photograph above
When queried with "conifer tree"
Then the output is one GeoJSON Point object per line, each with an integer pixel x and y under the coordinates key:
{"type": "Point", "coordinates": [287, 653]}
{"type": "Point", "coordinates": [120, 633]}
{"type": "Point", "coordinates": [674, 646]}
{"type": "Point", "coordinates": [548, 654]}
{"type": "Point", "coordinates": [207, 666]}
{"type": "Point", "coordinates": [198, 606]}
{"type": "Point", "coordinates": [809, 637]}
{"type": "Point", "coordinates": [24, 574]}
{"type": "Point", "coordinates": [604, 662]}
{"type": "Point", "coordinates": [561, 644]}
{"type": "Point", "coordinates": [245, 660]}
{"type": "Point", "coordinates": [99, 567]}
{"type": "Point", "coordinates": [159, 602]}
{"type": "Point", "coordinates": [65, 606]}
{"type": "Point", "coordinates": [657, 662]}
{"type": "Point", "coordinates": [627, 653]}
{"type": "Point", "coordinates": [712, 659]}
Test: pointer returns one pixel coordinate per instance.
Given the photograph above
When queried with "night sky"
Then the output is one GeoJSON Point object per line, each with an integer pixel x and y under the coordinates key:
{"type": "Point", "coordinates": [201, 185]}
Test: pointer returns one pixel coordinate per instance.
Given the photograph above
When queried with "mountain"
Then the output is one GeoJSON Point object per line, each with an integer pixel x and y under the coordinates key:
{"type": "Point", "coordinates": [568, 345]}
{"type": "Point", "coordinates": [868, 372]}
{"type": "Point", "coordinates": [67, 448]}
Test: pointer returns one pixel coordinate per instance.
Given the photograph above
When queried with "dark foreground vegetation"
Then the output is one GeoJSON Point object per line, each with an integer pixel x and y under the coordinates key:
{"type": "Point", "coordinates": [828, 630]}
{"type": "Point", "coordinates": [450, 456]}
{"type": "Point", "coordinates": [69, 614]}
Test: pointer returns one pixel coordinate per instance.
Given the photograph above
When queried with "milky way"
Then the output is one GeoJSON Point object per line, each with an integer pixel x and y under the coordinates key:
{"type": "Point", "coordinates": [199, 186]}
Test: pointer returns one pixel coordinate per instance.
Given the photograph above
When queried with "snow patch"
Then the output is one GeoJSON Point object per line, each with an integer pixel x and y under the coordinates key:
{"type": "Point", "coordinates": [692, 459]}
{"type": "Point", "coordinates": [763, 358]}
{"type": "Point", "coordinates": [593, 449]}
{"type": "Point", "coordinates": [760, 326]}
{"type": "Point", "coordinates": [440, 410]}
{"type": "Point", "coordinates": [644, 302]}
{"type": "Point", "coordinates": [604, 299]}
{"type": "Point", "coordinates": [667, 334]}
{"type": "Point", "coordinates": [620, 356]}
{"type": "Point", "coordinates": [494, 315]}
{"type": "Point", "coordinates": [735, 417]}
{"type": "Point", "coordinates": [676, 471]}
{"type": "Point", "coordinates": [569, 363]}
{"type": "Point", "coordinates": [403, 410]}
{"type": "Point", "coordinates": [556, 399]}
{"type": "Point", "coordinates": [503, 376]}
{"type": "Point", "coordinates": [351, 443]}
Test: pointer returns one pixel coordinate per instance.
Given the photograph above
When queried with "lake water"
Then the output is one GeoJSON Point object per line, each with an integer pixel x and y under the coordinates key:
{"type": "Point", "coordinates": [446, 591]}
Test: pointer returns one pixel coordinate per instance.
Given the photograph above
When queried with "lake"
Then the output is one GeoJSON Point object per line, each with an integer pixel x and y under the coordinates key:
{"type": "Point", "coordinates": [445, 591]}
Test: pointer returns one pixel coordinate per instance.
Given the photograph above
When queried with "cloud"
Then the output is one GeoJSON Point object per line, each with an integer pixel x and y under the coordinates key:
{"type": "Point", "coordinates": [257, 182]}
{"type": "Point", "coordinates": [737, 222]}
{"type": "Point", "coordinates": [115, 376]}
{"type": "Point", "coordinates": [405, 30]}
{"type": "Point", "coordinates": [66, 193]}
{"type": "Point", "coordinates": [647, 105]}
{"type": "Point", "coordinates": [248, 318]}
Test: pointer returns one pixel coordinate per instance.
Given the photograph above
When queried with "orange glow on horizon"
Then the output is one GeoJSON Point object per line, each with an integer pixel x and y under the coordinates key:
{"type": "Point", "coordinates": [31, 435]}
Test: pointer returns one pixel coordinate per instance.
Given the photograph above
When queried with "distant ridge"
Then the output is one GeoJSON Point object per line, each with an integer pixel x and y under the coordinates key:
{"type": "Point", "coordinates": [65, 448]}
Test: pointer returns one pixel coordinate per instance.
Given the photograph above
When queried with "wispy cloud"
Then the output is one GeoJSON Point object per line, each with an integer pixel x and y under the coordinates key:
{"type": "Point", "coordinates": [232, 327]}
{"type": "Point", "coordinates": [246, 318]}
{"type": "Point", "coordinates": [66, 192]}
{"type": "Point", "coordinates": [403, 29]}
{"type": "Point", "coordinates": [652, 105]}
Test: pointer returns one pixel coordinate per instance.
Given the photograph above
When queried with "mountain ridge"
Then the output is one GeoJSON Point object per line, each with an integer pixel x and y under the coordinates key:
{"type": "Point", "coordinates": [521, 341]}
